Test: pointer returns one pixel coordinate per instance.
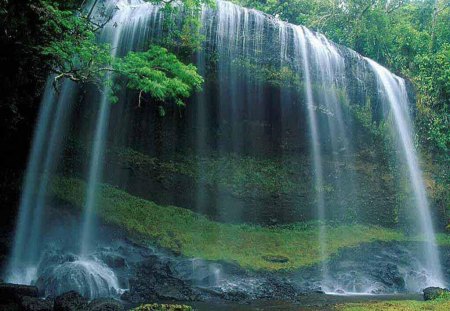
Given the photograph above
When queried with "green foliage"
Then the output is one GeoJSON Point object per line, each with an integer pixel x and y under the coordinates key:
{"type": "Point", "coordinates": [273, 75]}
{"type": "Point", "coordinates": [74, 53]}
{"type": "Point", "coordinates": [411, 37]}
{"type": "Point", "coordinates": [187, 38]}
{"type": "Point", "coordinates": [162, 307]}
{"type": "Point", "coordinates": [193, 235]}
{"type": "Point", "coordinates": [407, 305]}
{"type": "Point", "coordinates": [433, 83]}
{"type": "Point", "coordinates": [159, 73]}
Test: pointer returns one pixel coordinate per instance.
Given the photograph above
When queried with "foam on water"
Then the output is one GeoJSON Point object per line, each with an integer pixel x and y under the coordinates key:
{"type": "Point", "coordinates": [88, 276]}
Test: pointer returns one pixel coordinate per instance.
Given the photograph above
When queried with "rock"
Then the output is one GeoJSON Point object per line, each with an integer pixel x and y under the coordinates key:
{"type": "Point", "coordinates": [431, 293]}
{"type": "Point", "coordinates": [134, 297]}
{"type": "Point", "coordinates": [10, 307]}
{"type": "Point", "coordinates": [155, 279]}
{"type": "Point", "coordinates": [13, 292]}
{"type": "Point", "coordinates": [35, 304]}
{"type": "Point", "coordinates": [113, 260]}
{"type": "Point", "coordinates": [70, 301]}
{"type": "Point", "coordinates": [105, 304]}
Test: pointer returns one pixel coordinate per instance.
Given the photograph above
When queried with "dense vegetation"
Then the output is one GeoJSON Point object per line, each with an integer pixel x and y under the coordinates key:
{"type": "Point", "coordinates": [38, 37]}
{"type": "Point", "coordinates": [185, 232]}
{"type": "Point", "coordinates": [410, 37]}
{"type": "Point", "coordinates": [42, 36]}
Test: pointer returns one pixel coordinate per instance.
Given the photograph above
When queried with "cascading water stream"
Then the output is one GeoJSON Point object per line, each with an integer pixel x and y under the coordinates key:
{"type": "Point", "coordinates": [20, 269]}
{"type": "Point", "coordinates": [45, 152]}
{"type": "Point", "coordinates": [240, 40]}
{"type": "Point", "coordinates": [394, 89]}
{"type": "Point", "coordinates": [112, 34]}
{"type": "Point", "coordinates": [301, 52]}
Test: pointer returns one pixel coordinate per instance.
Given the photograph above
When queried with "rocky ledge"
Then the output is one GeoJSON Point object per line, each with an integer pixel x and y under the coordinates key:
{"type": "Point", "coordinates": [26, 298]}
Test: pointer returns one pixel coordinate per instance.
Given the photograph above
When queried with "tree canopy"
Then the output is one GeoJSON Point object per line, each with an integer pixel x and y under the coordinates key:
{"type": "Point", "coordinates": [410, 37]}
{"type": "Point", "coordinates": [74, 51]}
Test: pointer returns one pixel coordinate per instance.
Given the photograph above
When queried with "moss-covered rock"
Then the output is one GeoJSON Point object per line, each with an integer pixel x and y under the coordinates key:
{"type": "Point", "coordinates": [436, 293]}
{"type": "Point", "coordinates": [396, 306]}
{"type": "Point", "coordinates": [162, 307]}
{"type": "Point", "coordinates": [194, 235]}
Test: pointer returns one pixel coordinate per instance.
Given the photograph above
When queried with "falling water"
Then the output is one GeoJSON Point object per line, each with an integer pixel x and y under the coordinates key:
{"type": "Point", "coordinates": [302, 53]}
{"type": "Point", "coordinates": [18, 271]}
{"type": "Point", "coordinates": [45, 151]}
{"type": "Point", "coordinates": [394, 89]}
{"type": "Point", "coordinates": [231, 116]}
{"type": "Point", "coordinates": [44, 158]}
{"type": "Point", "coordinates": [111, 33]}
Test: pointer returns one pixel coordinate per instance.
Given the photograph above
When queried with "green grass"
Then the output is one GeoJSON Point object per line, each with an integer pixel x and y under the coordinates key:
{"type": "Point", "coordinates": [194, 235]}
{"type": "Point", "coordinates": [443, 239]}
{"type": "Point", "coordinates": [162, 307]}
{"type": "Point", "coordinates": [437, 305]}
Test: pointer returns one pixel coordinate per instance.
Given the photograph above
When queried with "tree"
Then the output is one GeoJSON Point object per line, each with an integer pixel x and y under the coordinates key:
{"type": "Point", "coordinates": [411, 37]}
{"type": "Point", "coordinates": [74, 53]}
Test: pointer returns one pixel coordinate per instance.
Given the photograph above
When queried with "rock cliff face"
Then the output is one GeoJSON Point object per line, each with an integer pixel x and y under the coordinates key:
{"type": "Point", "coordinates": [245, 145]}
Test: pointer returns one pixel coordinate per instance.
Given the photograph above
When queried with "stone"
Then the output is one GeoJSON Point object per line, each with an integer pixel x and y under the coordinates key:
{"type": "Point", "coordinates": [35, 304]}
{"type": "Point", "coordinates": [10, 307]}
{"type": "Point", "coordinates": [70, 301]}
{"type": "Point", "coordinates": [155, 279]}
{"type": "Point", "coordinates": [432, 293]}
{"type": "Point", "coordinates": [13, 292]}
{"type": "Point", "coordinates": [105, 304]}
{"type": "Point", "coordinates": [113, 260]}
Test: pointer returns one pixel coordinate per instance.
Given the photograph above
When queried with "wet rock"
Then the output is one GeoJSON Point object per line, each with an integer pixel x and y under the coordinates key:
{"type": "Point", "coordinates": [35, 304]}
{"type": "Point", "coordinates": [10, 307]}
{"type": "Point", "coordinates": [105, 304]}
{"type": "Point", "coordinates": [235, 295]}
{"type": "Point", "coordinates": [132, 297]}
{"type": "Point", "coordinates": [113, 260]}
{"type": "Point", "coordinates": [431, 293]}
{"type": "Point", "coordinates": [155, 280]}
{"type": "Point", "coordinates": [70, 301]}
{"type": "Point", "coordinates": [13, 292]}
{"type": "Point", "coordinates": [389, 275]}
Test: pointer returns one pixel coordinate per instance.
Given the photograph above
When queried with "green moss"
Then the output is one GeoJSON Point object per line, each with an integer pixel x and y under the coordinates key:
{"type": "Point", "coordinates": [194, 235]}
{"type": "Point", "coordinates": [396, 306]}
{"type": "Point", "coordinates": [242, 176]}
{"type": "Point", "coordinates": [162, 307]}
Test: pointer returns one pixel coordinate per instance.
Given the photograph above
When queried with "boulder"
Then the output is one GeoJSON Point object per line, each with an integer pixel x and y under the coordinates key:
{"type": "Point", "coordinates": [13, 292]}
{"type": "Point", "coordinates": [35, 304]}
{"type": "Point", "coordinates": [105, 304]}
{"type": "Point", "coordinates": [71, 301]}
{"type": "Point", "coordinates": [113, 260]}
{"type": "Point", "coordinates": [10, 307]}
{"type": "Point", "coordinates": [155, 279]}
{"type": "Point", "coordinates": [432, 293]}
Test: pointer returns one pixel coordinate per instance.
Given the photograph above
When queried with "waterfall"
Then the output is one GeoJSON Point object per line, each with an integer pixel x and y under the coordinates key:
{"type": "Point", "coordinates": [47, 148]}
{"type": "Point", "coordinates": [112, 34]}
{"type": "Point", "coordinates": [244, 109]}
{"type": "Point", "coordinates": [394, 89]}
{"type": "Point", "coordinates": [45, 151]}
{"type": "Point", "coordinates": [302, 53]}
